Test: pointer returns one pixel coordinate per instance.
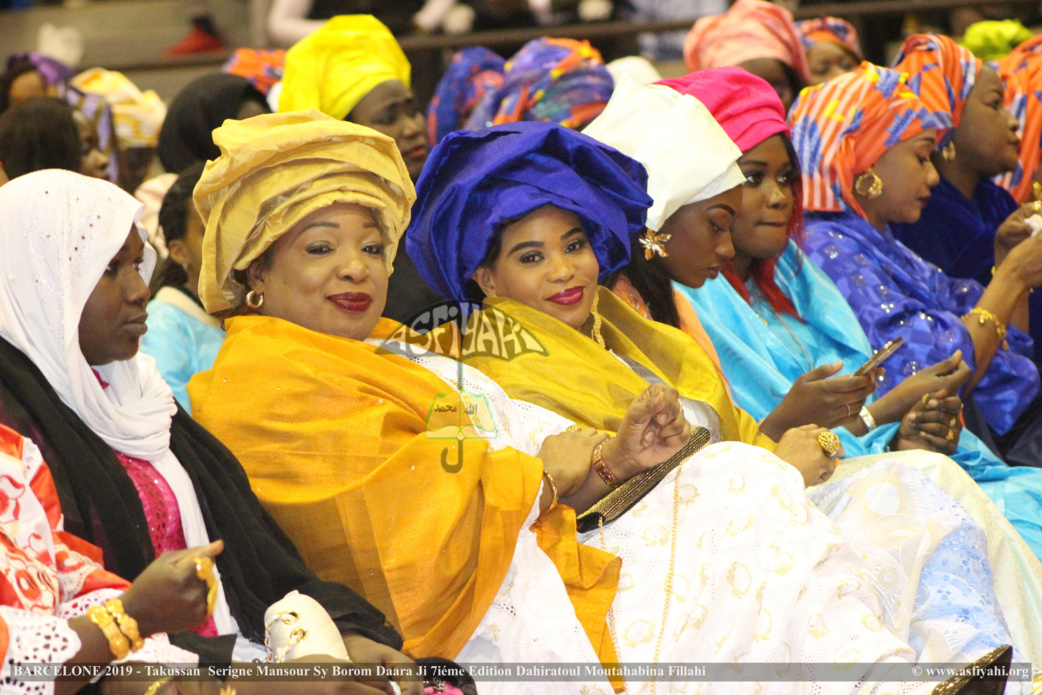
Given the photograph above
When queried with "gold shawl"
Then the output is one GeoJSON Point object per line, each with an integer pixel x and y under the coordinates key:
{"type": "Point", "coordinates": [333, 435]}
{"type": "Point", "coordinates": [585, 383]}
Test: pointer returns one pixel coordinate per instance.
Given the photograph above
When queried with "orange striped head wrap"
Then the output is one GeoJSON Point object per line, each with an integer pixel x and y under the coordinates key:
{"type": "Point", "coordinates": [842, 127]}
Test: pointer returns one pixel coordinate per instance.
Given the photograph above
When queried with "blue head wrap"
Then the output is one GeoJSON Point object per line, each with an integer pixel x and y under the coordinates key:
{"type": "Point", "coordinates": [474, 72]}
{"type": "Point", "coordinates": [477, 182]}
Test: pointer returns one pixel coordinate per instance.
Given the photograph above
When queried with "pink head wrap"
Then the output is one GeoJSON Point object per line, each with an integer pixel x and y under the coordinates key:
{"type": "Point", "coordinates": [745, 106]}
{"type": "Point", "coordinates": [750, 29]}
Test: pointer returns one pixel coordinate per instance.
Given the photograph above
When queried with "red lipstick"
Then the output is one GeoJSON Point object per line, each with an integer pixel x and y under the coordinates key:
{"type": "Point", "coordinates": [568, 297]}
{"type": "Point", "coordinates": [351, 301]}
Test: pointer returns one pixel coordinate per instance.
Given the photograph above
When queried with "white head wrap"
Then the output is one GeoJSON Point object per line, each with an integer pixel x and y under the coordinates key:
{"type": "Point", "coordinates": [58, 233]}
{"type": "Point", "coordinates": [687, 154]}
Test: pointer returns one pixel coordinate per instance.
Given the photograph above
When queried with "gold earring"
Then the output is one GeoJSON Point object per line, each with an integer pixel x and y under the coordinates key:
{"type": "Point", "coordinates": [254, 299]}
{"type": "Point", "coordinates": [654, 244]}
{"type": "Point", "coordinates": [595, 331]}
{"type": "Point", "coordinates": [948, 151]}
{"type": "Point", "coordinates": [869, 185]}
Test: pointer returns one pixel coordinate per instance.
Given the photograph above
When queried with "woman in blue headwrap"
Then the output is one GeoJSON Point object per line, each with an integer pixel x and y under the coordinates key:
{"type": "Point", "coordinates": [520, 214]}
{"type": "Point", "coordinates": [352, 440]}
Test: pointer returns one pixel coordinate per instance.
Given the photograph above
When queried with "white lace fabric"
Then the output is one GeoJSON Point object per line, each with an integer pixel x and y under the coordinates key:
{"type": "Point", "coordinates": [759, 574]}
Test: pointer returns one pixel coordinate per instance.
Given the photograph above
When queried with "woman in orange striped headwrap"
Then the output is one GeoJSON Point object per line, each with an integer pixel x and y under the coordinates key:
{"type": "Point", "coordinates": [1021, 71]}
{"type": "Point", "coordinates": [971, 223]}
{"type": "Point", "coordinates": [831, 45]}
{"type": "Point", "coordinates": [864, 141]}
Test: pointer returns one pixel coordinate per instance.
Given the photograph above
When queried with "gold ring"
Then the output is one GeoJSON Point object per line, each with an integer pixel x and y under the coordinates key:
{"type": "Point", "coordinates": [1037, 205]}
{"type": "Point", "coordinates": [950, 436]}
{"type": "Point", "coordinates": [204, 570]}
{"type": "Point", "coordinates": [953, 423]}
{"type": "Point", "coordinates": [829, 443]}
{"type": "Point", "coordinates": [574, 429]}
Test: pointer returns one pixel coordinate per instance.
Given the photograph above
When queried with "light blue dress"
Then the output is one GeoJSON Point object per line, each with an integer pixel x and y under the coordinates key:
{"type": "Point", "coordinates": [762, 356]}
{"type": "Point", "coordinates": [182, 338]}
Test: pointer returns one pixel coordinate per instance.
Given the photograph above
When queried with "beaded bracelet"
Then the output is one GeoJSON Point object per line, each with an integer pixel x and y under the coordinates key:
{"type": "Point", "coordinates": [118, 643]}
{"type": "Point", "coordinates": [602, 468]}
{"type": "Point", "coordinates": [127, 625]}
{"type": "Point", "coordinates": [985, 315]}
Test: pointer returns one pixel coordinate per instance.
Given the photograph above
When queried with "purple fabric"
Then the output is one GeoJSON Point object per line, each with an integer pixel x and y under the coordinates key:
{"type": "Point", "coordinates": [958, 235]}
{"type": "Point", "coordinates": [895, 293]}
{"type": "Point", "coordinates": [54, 72]}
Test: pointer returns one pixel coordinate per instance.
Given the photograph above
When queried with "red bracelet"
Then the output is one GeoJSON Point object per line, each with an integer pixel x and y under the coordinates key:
{"type": "Point", "coordinates": [602, 468]}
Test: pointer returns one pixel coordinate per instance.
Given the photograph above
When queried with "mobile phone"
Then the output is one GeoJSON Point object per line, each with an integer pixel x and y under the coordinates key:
{"type": "Point", "coordinates": [880, 355]}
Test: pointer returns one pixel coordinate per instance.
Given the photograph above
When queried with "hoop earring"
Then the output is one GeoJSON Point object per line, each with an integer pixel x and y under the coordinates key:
{"type": "Point", "coordinates": [869, 185]}
{"type": "Point", "coordinates": [948, 151]}
{"type": "Point", "coordinates": [254, 300]}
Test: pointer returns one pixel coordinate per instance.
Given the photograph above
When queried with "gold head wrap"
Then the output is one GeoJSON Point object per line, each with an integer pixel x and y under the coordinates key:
{"type": "Point", "coordinates": [275, 170]}
{"type": "Point", "coordinates": [333, 68]}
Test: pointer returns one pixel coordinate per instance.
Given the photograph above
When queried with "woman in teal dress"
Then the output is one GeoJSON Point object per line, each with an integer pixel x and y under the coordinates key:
{"type": "Point", "coordinates": [764, 349]}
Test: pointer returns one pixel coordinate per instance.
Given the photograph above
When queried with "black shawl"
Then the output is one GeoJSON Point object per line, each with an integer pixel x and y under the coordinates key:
{"type": "Point", "coordinates": [259, 564]}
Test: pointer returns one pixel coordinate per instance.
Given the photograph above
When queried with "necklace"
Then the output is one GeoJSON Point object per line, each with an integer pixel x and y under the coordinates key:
{"type": "Point", "coordinates": [668, 581]}
{"type": "Point", "coordinates": [808, 361]}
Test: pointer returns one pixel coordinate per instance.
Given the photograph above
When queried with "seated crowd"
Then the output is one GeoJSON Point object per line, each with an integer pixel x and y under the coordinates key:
{"type": "Point", "coordinates": [574, 366]}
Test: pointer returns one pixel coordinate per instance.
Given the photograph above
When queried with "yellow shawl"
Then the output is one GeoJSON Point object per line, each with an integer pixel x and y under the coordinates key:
{"type": "Point", "coordinates": [332, 433]}
{"type": "Point", "coordinates": [578, 379]}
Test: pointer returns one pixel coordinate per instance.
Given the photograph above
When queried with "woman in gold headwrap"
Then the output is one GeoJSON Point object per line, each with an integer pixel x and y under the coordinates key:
{"type": "Point", "coordinates": [346, 441]}
{"type": "Point", "coordinates": [301, 237]}
{"type": "Point", "coordinates": [354, 70]}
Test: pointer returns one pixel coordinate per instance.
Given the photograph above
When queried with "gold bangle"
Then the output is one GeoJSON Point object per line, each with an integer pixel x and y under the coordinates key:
{"type": "Point", "coordinates": [118, 644]}
{"type": "Point", "coordinates": [602, 468]}
{"type": "Point", "coordinates": [127, 625]}
{"type": "Point", "coordinates": [154, 688]}
{"type": "Point", "coordinates": [985, 315]}
{"type": "Point", "coordinates": [553, 492]}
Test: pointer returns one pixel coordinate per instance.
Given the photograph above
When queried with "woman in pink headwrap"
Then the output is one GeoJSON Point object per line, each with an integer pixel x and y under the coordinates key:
{"type": "Point", "coordinates": [786, 332]}
{"type": "Point", "coordinates": [756, 35]}
{"type": "Point", "coordinates": [831, 46]}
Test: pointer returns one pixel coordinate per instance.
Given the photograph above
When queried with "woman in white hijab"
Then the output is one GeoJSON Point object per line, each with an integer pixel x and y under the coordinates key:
{"type": "Point", "coordinates": [135, 475]}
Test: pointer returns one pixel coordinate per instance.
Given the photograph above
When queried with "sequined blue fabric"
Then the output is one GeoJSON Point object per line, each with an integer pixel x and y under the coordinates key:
{"type": "Point", "coordinates": [895, 293]}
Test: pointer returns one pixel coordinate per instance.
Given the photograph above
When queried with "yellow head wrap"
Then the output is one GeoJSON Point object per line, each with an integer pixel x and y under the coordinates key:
{"type": "Point", "coordinates": [335, 67]}
{"type": "Point", "coordinates": [275, 170]}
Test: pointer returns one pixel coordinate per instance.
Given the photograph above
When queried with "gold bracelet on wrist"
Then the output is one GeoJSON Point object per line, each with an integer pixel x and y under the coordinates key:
{"type": "Point", "coordinates": [984, 315]}
{"type": "Point", "coordinates": [127, 625]}
{"type": "Point", "coordinates": [154, 688]}
{"type": "Point", "coordinates": [118, 644]}
{"type": "Point", "coordinates": [553, 492]}
{"type": "Point", "coordinates": [602, 468]}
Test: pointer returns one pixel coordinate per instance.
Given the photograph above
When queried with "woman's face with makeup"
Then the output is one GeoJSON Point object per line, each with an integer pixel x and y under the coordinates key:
{"type": "Point", "coordinates": [545, 262]}
{"type": "Point", "coordinates": [700, 238]}
{"type": "Point", "coordinates": [761, 230]}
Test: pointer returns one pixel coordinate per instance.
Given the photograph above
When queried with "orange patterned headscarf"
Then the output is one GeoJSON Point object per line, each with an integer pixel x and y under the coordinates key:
{"type": "Point", "coordinates": [842, 127]}
{"type": "Point", "coordinates": [1021, 71]}
{"type": "Point", "coordinates": [829, 30]}
{"type": "Point", "coordinates": [750, 29]}
{"type": "Point", "coordinates": [941, 72]}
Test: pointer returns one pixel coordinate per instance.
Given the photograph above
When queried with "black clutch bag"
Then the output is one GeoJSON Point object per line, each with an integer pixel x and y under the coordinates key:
{"type": "Point", "coordinates": [615, 503]}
